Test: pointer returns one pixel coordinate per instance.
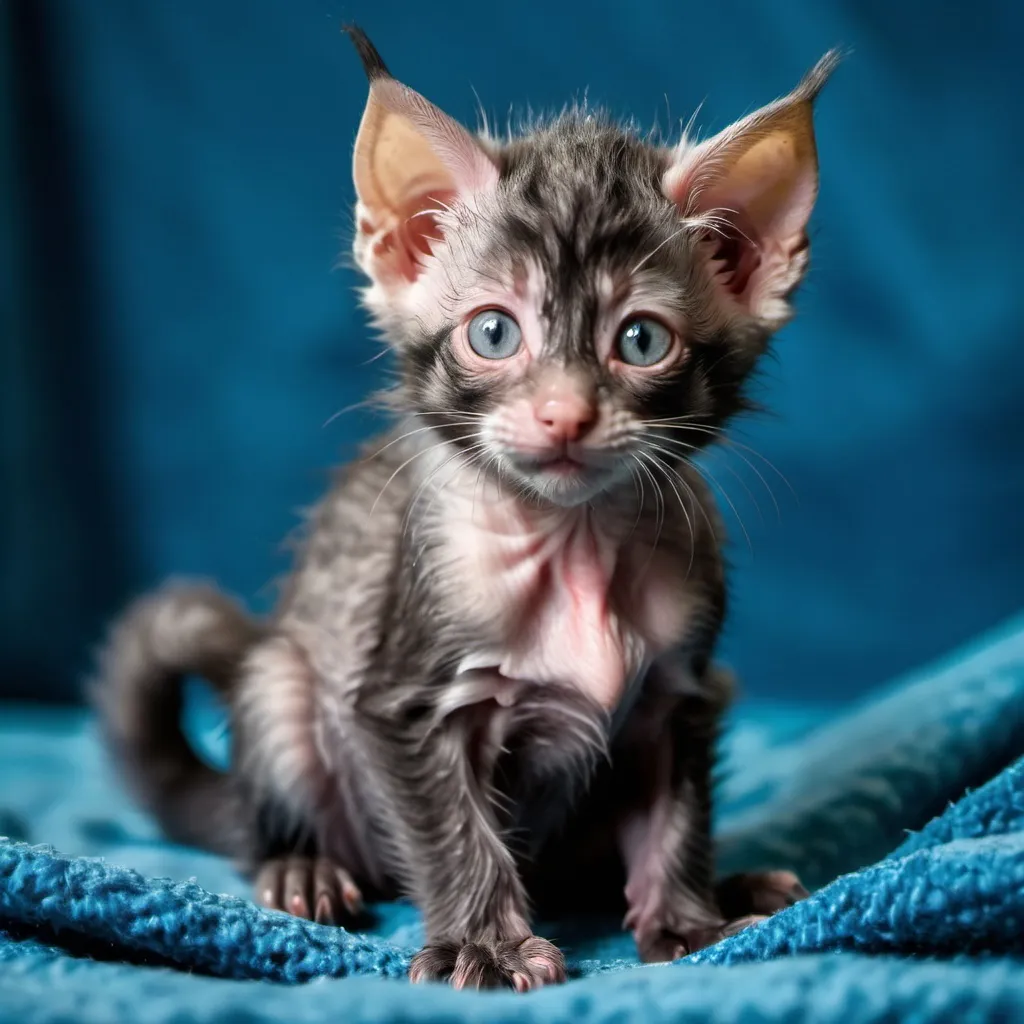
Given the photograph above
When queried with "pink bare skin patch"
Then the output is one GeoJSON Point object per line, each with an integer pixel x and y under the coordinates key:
{"type": "Point", "coordinates": [546, 577]}
{"type": "Point", "coordinates": [557, 576]}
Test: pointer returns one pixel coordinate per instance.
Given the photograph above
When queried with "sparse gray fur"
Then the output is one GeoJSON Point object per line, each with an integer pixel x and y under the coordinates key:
{"type": "Point", "coordinates": [367, 759]}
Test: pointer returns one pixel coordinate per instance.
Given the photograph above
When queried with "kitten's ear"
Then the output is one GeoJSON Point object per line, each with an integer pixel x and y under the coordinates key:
{"type": "Point", "coordinates": [752, 188]}
{"type": "Point", "coordinates": [410, 159]}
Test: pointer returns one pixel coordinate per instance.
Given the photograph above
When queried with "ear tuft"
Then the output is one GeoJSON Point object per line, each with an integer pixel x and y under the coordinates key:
{"type": "Point", "coordinates": [412, 164]}
{"type": "Point", "coordinates": [373, 63]}
{"type": "Point", "coordinates": [815, 79]}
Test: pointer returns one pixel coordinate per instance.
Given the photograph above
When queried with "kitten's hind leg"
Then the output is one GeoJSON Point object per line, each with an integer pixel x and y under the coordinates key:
{"type": "Point", "coordinates": [312, 887]}
{"type": "Point", "coordinates": [294, 798]}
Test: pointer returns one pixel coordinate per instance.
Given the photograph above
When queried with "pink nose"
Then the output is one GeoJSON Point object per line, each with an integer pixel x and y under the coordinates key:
{"type": "Point", "coordinates": [565, 416]}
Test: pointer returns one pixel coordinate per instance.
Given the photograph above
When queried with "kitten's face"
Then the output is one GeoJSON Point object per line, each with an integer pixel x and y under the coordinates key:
{"type": "Point", "coordinates": [578, 308]}
{"type": "Point", "coordinates": [567, 324]}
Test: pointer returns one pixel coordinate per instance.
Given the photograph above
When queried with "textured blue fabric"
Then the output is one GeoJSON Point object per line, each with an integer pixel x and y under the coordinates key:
{"type": "Point", "coordinates": [940, 753]}
{"type": "Point", "coordinates": [174, 338]}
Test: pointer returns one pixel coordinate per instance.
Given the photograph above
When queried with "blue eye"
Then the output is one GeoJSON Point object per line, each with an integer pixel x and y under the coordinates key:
{"type": "Point", "coordinates": [494, 334]}
{"type": "Point", "coordinates": [644, 342]}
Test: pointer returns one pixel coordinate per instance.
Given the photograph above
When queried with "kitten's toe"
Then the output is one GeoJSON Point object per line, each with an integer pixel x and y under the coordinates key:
{"type": "Point", "coordinates": [763, 892]}
{"type": "Point", "coordinates": [269, 884]}
{"type": "Point", "coordinates": [435, 962]}
{"type": "Point", "coordinates": [351, 897]}
{"type": "Point", "coordinates": [532, 962]}
{"type": "Point", "coordinates": [298, 886]}
{"type": "Point", "coordinates": [337, 897]}
{"type": "Point", "coordinates": [519, 964]}
{"type": "Point", "coordinates": [476, 967]}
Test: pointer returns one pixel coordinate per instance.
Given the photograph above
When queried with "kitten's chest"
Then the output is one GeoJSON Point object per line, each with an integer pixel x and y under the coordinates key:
{"type": "Point", "coordinates": [560, 597]}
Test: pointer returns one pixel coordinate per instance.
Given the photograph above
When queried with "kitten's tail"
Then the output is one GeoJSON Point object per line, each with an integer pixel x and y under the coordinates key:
{"type": "Point", "coordinates": [180, 630]}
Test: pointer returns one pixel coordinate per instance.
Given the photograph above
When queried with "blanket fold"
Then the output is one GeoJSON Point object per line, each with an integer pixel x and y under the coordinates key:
{"type": "Point", "coordinates": [930, 922]}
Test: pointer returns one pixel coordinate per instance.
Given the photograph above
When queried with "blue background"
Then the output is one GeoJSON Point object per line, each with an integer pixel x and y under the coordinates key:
{"type": "Point", "coordinates": [175, 333]}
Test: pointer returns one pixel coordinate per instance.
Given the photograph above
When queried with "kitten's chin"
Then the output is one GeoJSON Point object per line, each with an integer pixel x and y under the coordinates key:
{"type": "Point", "coordinates": [564, 482]}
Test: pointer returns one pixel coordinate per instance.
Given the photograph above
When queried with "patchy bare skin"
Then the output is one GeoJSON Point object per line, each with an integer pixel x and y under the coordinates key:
{"type": "Point", "coordinates": [488, 683]}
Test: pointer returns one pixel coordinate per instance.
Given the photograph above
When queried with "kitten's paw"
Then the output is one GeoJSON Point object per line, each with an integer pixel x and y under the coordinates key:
{"type": "Point", "coordinates": [520, 964]}
{"type": "Point", "coordinates": [659, 945]}
{"type": "Point", "coordinates": [310, 887]}
{"type": "Point", "coordinates": [763, 892]}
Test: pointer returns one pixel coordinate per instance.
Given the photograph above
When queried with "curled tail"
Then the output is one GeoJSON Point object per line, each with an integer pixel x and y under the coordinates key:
{"type": "Point", "coordinates": [181, 630]}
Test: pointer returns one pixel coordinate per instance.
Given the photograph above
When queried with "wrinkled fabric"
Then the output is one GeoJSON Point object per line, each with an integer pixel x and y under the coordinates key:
{"type": "Point", "coordinates": [906, 816]}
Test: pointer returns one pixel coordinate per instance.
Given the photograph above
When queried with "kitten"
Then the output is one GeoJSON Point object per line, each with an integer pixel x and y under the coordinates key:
{"type": "Point", "coordinates": [488, 683]}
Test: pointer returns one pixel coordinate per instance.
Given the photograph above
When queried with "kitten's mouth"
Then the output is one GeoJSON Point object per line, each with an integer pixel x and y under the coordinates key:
{"type": "Point", "coordinates": [565, 477]}
{"type": "Point", "coordinates": [562, 465]}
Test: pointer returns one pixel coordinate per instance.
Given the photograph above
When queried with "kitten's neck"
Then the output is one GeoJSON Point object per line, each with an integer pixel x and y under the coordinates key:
{"type": "Point", "coordinates": [455, 489]}
{"type": "Point", "coordinates": [584, 595]}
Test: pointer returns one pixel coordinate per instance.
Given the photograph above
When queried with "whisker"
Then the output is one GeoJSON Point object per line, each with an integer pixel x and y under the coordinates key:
{"type": "Point", "coordinates": [694, 498]}
{"type": "Point", "coordinates": [365, 404]}
{"type": "Point", "coordinates": [675, 419]}
{"type": "Point", "coordinates": [727, 446]}
{"type": "Point", "coordinates": [419, 430]}
{"type": "Point", "coordinates": [682, 505]}
{"type": "Point", "coordinates": [465, 414]}
{"type": "Point", "coordinates": [470, 451]}
{"type": "Point", "coordinates": [730, 442]}
{"type": "Point", "coordinates": [676, 456]}
{"type": "Point", "coordinates": [411, 459]}
{"type": "Point", "coordinates": [742, 482]}
{"type": "Point", "coordinates": [659, 506]}
{"type": "Point", "coordinates": [476, 484]}
{"type": "Point", "coordinates": [385, 349]}
{"type": "Point", "coordinates": [705, 472]}
{"type": "Point", "coordinates": [639, 491]}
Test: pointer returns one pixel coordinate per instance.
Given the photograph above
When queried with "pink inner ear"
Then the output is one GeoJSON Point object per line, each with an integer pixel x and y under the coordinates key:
{"type": "Point", "coordinates": [406, 245]}
{"type": "Point", "coordinates": [735, 253]}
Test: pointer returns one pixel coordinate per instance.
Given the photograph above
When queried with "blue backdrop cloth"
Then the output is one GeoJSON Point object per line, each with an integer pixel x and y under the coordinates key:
{"type": "Point", "coordinates": [175, 334]}
{"type": "Point", "coordinates": [923, 928]}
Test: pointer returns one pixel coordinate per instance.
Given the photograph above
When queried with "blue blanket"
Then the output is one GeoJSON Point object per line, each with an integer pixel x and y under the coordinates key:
{"type": "Point", "coordinates": [926, 927]}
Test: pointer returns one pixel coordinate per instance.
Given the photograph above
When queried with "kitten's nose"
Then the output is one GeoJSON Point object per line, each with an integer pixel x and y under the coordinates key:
{"type": "Point", "coordinates": [566, 415]}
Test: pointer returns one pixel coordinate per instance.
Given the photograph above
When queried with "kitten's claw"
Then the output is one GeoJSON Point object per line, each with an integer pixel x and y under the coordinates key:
{"type": "Point", "coordinates": [296, 888]}
{"type": "Point", "coordinates": [519, 964]}
{"type": "Point", "coordinates": [311, 887]}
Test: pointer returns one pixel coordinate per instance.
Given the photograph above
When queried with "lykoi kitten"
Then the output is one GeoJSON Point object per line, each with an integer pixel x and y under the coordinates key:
{"type": "Point", "coordinates": [489, 682]}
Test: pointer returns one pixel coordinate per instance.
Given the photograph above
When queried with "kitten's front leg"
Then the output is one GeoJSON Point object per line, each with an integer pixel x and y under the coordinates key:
{"type": "Point", "coordinates": [665, 839]}
{"type": "Point", "coordinates": [673, 908]}
{"type": "Point", "coordinates": [457, 868]}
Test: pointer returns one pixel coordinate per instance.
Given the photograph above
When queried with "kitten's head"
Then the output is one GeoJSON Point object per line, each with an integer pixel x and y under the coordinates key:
{"type": "Point", "coordinates": [578, 304]}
